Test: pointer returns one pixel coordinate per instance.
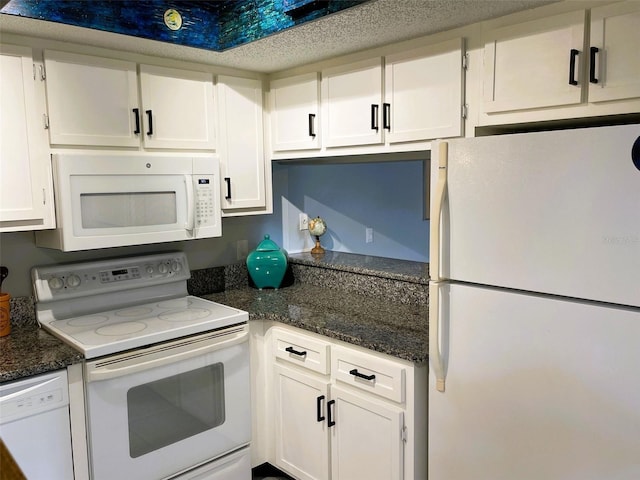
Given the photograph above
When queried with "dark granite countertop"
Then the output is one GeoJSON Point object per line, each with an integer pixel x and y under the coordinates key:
{"type": "Point", "coordinates": [373, 321]}
{"type": "Point", "coordinates": [28, 350]}
{"type": "Point", "coordinates": [404, 270]}
{"type": "Point", "coordinates": [396, 329]}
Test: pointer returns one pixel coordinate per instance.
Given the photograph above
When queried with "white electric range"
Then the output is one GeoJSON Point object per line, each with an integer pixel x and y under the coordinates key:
{"type": "Point", "coordinates": [110, 306]}
{"type": "Point", "coordinates": [166, 375]}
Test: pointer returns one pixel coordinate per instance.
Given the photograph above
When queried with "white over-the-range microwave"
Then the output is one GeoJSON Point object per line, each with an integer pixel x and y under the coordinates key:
{"type": "Point", "coordinates": [114, 200]}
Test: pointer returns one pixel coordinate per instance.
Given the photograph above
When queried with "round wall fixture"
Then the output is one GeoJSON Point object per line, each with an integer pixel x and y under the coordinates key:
{"type": "Point", "coordinates": [173, 19]}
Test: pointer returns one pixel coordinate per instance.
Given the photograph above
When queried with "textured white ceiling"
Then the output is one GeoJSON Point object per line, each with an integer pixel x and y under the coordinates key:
{"type": "Point", "coordinates": [372, 24]}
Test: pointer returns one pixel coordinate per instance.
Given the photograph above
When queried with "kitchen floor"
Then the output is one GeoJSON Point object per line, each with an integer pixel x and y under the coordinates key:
{"type": "Point", "coordinates": [268, 472]}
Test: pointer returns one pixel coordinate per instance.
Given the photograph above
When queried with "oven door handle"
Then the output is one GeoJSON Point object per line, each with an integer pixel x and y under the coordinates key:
{"type": "Point", "coordinates": [128, 366]}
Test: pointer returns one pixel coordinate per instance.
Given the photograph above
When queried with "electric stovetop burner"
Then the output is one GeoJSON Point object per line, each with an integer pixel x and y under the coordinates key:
{"type": "Point", "coordinates": [104, 307]}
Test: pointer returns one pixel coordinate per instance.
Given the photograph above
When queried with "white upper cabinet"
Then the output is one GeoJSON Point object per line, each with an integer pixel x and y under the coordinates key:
{"type": "Point", "coordinates": [581, 63]}
{"type": "Point", "coordinates": [245, 184]}
{"type": "Point", "coordinates": [178, 108]}
{"type": "Point", "coordinates": [424, 93]}
{"type": "Point", "coordinates": [294, 108]}
{"type": "Point", "coordinates": [26, 194]}
{"type": "Point", "coordinates": [534, 64]}
{"type": "Point", "coordinates": [352, 104]}
{"type": "Point", "coordinates": [614, 68]}
{"type": "Point", "coordinates": [383, 104]}
{"type": "Point", "coordinates": [93, 101]}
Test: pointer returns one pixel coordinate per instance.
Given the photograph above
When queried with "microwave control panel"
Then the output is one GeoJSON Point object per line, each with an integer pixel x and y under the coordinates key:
{"type": "Point", "coordinates": [205, 201]}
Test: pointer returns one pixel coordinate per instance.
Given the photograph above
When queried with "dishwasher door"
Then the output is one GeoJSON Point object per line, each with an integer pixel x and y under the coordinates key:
{"type": "Point", "coordinates": [34, 425]}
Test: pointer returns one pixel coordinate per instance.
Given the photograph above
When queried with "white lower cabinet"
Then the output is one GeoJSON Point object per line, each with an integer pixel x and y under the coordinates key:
{"type": "Point", "coordinates": [367, 421]}
{"type": "Point", "coordinates": [301, 438]}
{"type": "Point", "coordinates": [366, 437]}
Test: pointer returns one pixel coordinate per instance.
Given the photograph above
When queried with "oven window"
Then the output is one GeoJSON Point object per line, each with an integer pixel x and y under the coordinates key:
{"type": "Point", "coordinates": [128, 209]}
{"type": "Point", "coordinates": [169, 410]}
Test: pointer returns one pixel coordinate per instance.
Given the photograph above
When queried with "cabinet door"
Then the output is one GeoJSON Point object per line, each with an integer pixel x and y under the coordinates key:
{"type": "Point", "coordinates": [294, 112]}
{"type": "Point", "coordinates": [26, 201]}
{"type": "Point", "coordinates": [615, 71]}
{"type": "Point", "coordinates": [302, 440]}
{"type": "Point", "coordinates": [535, 64]}
{"type": "Point", "coordinates": [91, 100]}
{"type": "Point", "coordinates": [352, 104]}
{"type": "Point", "coordinates": [242, 162]}
{"type": "Point", "coordinates": [423, 93]}
{"type": "Point", "coordinates": [366, 440]}
{"type": "Point", "coordinates": [178, 108]}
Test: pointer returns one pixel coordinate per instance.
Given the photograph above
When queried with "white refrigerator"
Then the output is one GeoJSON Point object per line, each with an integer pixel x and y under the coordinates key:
{"type": "Point", "coordinates": [534, 314]}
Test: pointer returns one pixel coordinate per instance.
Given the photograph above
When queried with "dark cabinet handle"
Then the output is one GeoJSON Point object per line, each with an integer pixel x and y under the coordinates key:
{"type": "Point", "coordinates": [356, 373]}
{"type": "Point", "coordinates": [386, 116]}
{"type": "Point", "coordinates": [228, 181]}
{"type": "Point", "coordinates": [374, 117]}
{"type": "Point", "coordinates": [150, 120]}
{"type": "Point", "coordinates": [330, 422]}
{"type": "Point", "coordinates": [572, 66]}
{"type": "Point", "coordinates": [136, 112]}
{"type": "Point", "coordinates": [319, 416]}
{"type": "Point", "coordinates": [592, 64]}
{"type": "Point", "coordinates": [312, 119]}
{"type": "Point", "coordinates": [295, 352]}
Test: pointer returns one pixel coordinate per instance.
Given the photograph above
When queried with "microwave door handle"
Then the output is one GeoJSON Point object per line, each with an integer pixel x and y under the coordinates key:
{"type": "Point", "coordinates": [188, 180]}
{"type": "Point", "coordinates": [107, 372]}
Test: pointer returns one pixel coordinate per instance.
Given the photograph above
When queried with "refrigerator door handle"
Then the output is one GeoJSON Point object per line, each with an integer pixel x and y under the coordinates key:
{"type": "Point", "coordinates": [436, 213]}
{"type": "Point", "coordinates": [435, 355]}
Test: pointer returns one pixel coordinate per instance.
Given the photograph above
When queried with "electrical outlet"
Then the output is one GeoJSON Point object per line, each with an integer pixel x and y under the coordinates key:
{"type": "Point", "coordinates": [368, 234]}
{"type": "Point", "coordinates": [304, 221]}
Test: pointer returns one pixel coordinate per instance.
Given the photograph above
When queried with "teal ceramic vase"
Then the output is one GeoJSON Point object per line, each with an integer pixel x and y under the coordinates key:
{"type": "Point", "coordinates": [267, 264]}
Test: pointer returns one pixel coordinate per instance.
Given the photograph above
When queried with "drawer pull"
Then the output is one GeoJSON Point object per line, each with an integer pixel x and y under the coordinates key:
{"type": "Point", "coordinates": [374, 117]}
{"type": "Point", "coordinates": [572, 66]}
{"type": "Point", "coordinates": [330, 422]}
{"type": "Point", "coordinates": [295, 352]}
{"type": "Point", "coordinates": [319, 416]}
{"type": "Point", "coordinates": [312, 119]}
{"type": "Point", "coordinates": [356, 373]}
{"type": "Point", "coordinates": [592, 64]}
{"type": "Point", "coordinates": [227, 180]}
{"type": "Point", "coordinates": [136, 112]}
{"type": "Point", "coordinates": [150, 121]}
{"type": "Point", "coordinates": [386, 116]}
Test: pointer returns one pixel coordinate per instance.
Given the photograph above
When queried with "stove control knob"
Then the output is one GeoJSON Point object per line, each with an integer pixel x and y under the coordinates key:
{"type": "Point", "coordinates": [73, 281]}
{"type": "Point", "coordinates": [176, 267]}
{"type": "Point", "coordinates": [55, 283]}
{"type": "Point", "coordinates": [162, 268]}
{"type": "Point", "coordinates": [150, 270]}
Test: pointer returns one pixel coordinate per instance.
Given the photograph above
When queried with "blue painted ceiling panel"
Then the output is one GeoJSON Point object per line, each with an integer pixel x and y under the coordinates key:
{"type": "Point", "coordinates": [212, 25]}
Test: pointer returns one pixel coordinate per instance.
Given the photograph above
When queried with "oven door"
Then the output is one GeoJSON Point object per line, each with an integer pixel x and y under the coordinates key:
{"type": "Point", "coordinates": [157, 411]}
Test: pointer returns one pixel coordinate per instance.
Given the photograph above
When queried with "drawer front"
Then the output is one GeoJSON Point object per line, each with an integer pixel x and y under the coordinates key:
{"type": "Point", "coordinates": [302, 350]}
{"type": "Point", "coordinates": [369, 373]}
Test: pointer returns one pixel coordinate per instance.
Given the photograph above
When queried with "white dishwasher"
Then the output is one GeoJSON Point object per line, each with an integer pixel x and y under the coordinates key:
{"type": "Point", "coordinates": [34, 425]}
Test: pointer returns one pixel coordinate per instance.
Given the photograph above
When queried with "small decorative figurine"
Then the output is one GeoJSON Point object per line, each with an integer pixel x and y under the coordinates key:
{"type": "Point", "coordinates": [267, 264]}
{"type": "Point", "coordinates": [317, 228]}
